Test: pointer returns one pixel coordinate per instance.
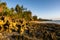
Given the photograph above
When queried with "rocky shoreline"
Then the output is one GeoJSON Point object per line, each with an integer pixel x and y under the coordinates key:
{"type": "Point", "coordinates": [44, 31]}
{"type": "Point", "coordinates": [36, 31]}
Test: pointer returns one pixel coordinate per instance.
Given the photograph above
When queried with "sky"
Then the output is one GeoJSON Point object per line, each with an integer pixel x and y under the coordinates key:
{"type": "Point", "coordinates": [47, 9]}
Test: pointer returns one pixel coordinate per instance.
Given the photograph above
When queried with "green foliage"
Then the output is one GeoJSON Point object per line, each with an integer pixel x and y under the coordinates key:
{"type": "Point", "coordinates": [18, 11]}
{"type": "Point", "coordinates": [27, 15]}
{"type": "Point", "coordinates": [35, 17]}
{"type": "Point", "coordinates": [17, 8]}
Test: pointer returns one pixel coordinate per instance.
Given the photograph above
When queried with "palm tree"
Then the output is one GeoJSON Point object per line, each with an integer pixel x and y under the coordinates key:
{"type": "Point", "coordinates": [18, 8]}
{"type": "Point", "coordinates": [12, 12]}
{"type": "Point", "coordinates": [12, 9]}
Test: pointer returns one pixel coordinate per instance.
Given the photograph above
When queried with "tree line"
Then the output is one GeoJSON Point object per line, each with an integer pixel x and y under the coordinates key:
{"type": "Point", "coordinates": [17, 12]}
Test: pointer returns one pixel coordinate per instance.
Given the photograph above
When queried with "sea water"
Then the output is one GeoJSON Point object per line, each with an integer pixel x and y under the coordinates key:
{"type": "Point", "coordinates": [54, 21]}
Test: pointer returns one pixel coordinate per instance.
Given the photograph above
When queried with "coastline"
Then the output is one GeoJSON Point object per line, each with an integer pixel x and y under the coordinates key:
{"type": "Point", "coordinates": [50, 30]}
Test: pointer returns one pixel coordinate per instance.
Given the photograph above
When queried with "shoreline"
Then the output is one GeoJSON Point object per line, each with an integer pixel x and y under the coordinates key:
{"type": "Point", "coordinates": [48, 29]}
{"type": "Point", "coordinates": [49, 22]}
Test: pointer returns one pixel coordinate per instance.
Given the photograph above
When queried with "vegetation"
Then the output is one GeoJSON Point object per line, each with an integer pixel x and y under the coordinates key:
{"type": "Point", "coordinates": [15, 25]}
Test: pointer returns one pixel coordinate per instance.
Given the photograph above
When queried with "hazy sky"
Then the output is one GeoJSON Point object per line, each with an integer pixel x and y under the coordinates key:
{"type": "Point", "coordinates": [49, 9]}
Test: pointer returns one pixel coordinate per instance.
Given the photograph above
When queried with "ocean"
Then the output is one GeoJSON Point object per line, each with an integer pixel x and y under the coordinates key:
{"type": "Point", "coordinates": [54, 21]}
